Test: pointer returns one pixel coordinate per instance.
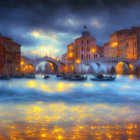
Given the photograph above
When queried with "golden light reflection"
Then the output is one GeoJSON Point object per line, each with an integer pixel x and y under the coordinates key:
{"type": "Point", "coordinates": [88, 84]}
{"type": "Point", "coordinates": [131, 77]}
{"type": "Point", "coordinates": [53, 121]}
{"type": "Point", "coordinates": [32, 84]}
{"type": "Point", "coordinates": [50, 88]}
{"type": "Point", "coordinates": [104, 84]}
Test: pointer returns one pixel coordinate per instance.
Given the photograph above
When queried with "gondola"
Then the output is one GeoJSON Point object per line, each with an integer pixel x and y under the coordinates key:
{"type": "Point", "coordinates": [65, 77]}
{"type": "Point", "coordinates": [46, 76]}
{"type": "Point", "coordinates": [103, 78]}
{"type": "Point", "coordinates": [4, 77]}
{"type": "Point", "coordinates": [29, 76]}
{"type": "Point", "coordinates": [78, 78]}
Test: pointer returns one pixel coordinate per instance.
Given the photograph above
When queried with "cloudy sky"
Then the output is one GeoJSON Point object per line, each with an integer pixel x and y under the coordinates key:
{"type": "Point", "coordinates": [48, 26]}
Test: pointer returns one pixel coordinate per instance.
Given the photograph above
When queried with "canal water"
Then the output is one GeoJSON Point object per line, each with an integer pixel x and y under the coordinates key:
{"type": "Point", "coordinates": [55, 109]}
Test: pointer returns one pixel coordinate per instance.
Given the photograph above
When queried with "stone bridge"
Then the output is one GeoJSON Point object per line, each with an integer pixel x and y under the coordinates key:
{"type": "Point", "coordinates": [108, 65]}
{"type": "Point", "coordinates": [56, 62]}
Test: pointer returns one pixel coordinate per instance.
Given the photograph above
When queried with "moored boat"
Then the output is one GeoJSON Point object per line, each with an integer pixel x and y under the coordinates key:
{"type": "Point", "coordinates": [29, 76]}
{"type": "Point", "coordinates": [46, 76]}
{"type": "Point", "coordinates": [4, 77]}
{"type": "Point", "coordinates": [78, 78]}
{"type": "Point", "coordinates": [103, 78]}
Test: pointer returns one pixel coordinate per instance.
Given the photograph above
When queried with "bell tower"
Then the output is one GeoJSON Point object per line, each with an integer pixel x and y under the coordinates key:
{"type": "Point", "coordinates": [85, 31]}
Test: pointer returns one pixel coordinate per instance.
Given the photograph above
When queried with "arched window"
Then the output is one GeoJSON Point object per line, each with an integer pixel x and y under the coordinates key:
{"type": "Point", "coordinates": [82, 56]}
{"type": "Point", "coordinates": [87, 56]}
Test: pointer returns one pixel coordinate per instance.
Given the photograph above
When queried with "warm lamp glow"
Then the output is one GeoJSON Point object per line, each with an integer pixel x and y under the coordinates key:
{"type": "Point", "coordinates": [70, 54]}
{"type": "Point", "coordinates": [78, 61]}
{"type": "Point", "coordinates": [22, 63]}
{"type": "Point", "coordinates": [114, 44]}
{"type": "Point", "coordinates": [93, 50]}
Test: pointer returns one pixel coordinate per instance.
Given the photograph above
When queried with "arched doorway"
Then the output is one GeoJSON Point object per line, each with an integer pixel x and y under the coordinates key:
{"type": "Point", "coordinates": [122, 68]}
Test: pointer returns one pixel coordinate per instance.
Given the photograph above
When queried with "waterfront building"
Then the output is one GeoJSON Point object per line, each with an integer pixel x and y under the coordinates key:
{"type": "Point", "coordinates": [64, 57]}
{"type": "Point", "coordinates": [26, 66]}
{"type": "Point", "coordinates": [10, 53]}
{"type": "Point", "coordinates": [82, 49]}
{"type": "Point", "coordinates": [124, 43]}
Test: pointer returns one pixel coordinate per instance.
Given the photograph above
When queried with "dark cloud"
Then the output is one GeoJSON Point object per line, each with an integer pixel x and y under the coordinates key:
{"type": "Point", "coordinates": [103, 17]}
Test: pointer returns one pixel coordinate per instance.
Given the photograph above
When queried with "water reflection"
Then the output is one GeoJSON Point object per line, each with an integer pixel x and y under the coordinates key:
{"type": "Point", "coordinates": [62, 110]}
{"type": "Point", "coordinates": [60, 121]}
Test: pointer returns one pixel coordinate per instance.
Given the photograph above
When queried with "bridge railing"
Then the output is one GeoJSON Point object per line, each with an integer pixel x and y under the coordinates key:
{"type": "Point", "coordinates": [106, 59]}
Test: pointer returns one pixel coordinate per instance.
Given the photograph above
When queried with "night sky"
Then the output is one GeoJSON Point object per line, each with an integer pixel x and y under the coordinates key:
{"type": "Point", "coordinates": [48, 26]}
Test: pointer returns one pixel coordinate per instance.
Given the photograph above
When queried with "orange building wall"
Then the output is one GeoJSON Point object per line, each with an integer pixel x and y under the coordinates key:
{"type": "Point", "coordinates": [124, 43]}
{"type": "Point", "coordinates": [10, 53]}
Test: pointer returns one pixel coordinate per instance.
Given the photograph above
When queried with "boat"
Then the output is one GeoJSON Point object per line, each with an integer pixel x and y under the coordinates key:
{"type": "Point", "coordinates": [103, 78]}
{"type": "Point", "coordinates": [19, 76]}
{"type": "Point", "coordinates": [65, 77]}
{"type": "Point", "coordinates": [77, 78]}
{"type": "Point", "coordinates": [60, 75]}
{"type": "Point", "coordinates": [4, 77]}
{"type": "Point", "coordinates": [29, 76]}
{"type": "Point", "coordinates": [46, 76]}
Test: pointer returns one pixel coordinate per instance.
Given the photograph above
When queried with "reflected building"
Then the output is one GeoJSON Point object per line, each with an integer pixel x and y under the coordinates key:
{"type": "Point", "coordinates": [124, 43]}
{"type": "Point", "coordinates": [10, 53]}
{"type": "Point", "coordinates": [82, 49]}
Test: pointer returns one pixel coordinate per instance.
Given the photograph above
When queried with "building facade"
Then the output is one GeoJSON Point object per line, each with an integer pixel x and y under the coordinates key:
{"type": "Point", "coordinates": [64, 57]}
{"type": "Point", "coordinates": [26, 66]}
{"type": "Point", "coordinates": [124, 43]}
{"type": "Point", "coordinates": [10, 53]}
{"type": "Point", "coordinates": [83, 48]}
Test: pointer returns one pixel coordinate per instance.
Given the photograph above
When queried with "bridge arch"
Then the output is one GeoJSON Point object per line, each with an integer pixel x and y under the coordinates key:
{"type": "Point", "coordinates": [56, 62]}
{"type": "Point", "coordinates": [53, 66]}
{"type": "Point", "coordinates": [124, 67]}
{"type": "Point", "coordinates": [93, 67]}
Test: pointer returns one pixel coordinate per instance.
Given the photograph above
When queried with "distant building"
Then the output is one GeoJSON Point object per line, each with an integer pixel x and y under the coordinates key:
{"type": "Point", "coordinates": [49, 68]}
{"type": "Point", "coordinates": [83, 48]}
{"type": "Point", "coordinates": [64, 57]}
{"type": "Point", "coordinates": [10, 53]}
{"type": "Point", "coordinates": [26, 66]}
{"type": "Point", "coordinates": [124, 43]}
